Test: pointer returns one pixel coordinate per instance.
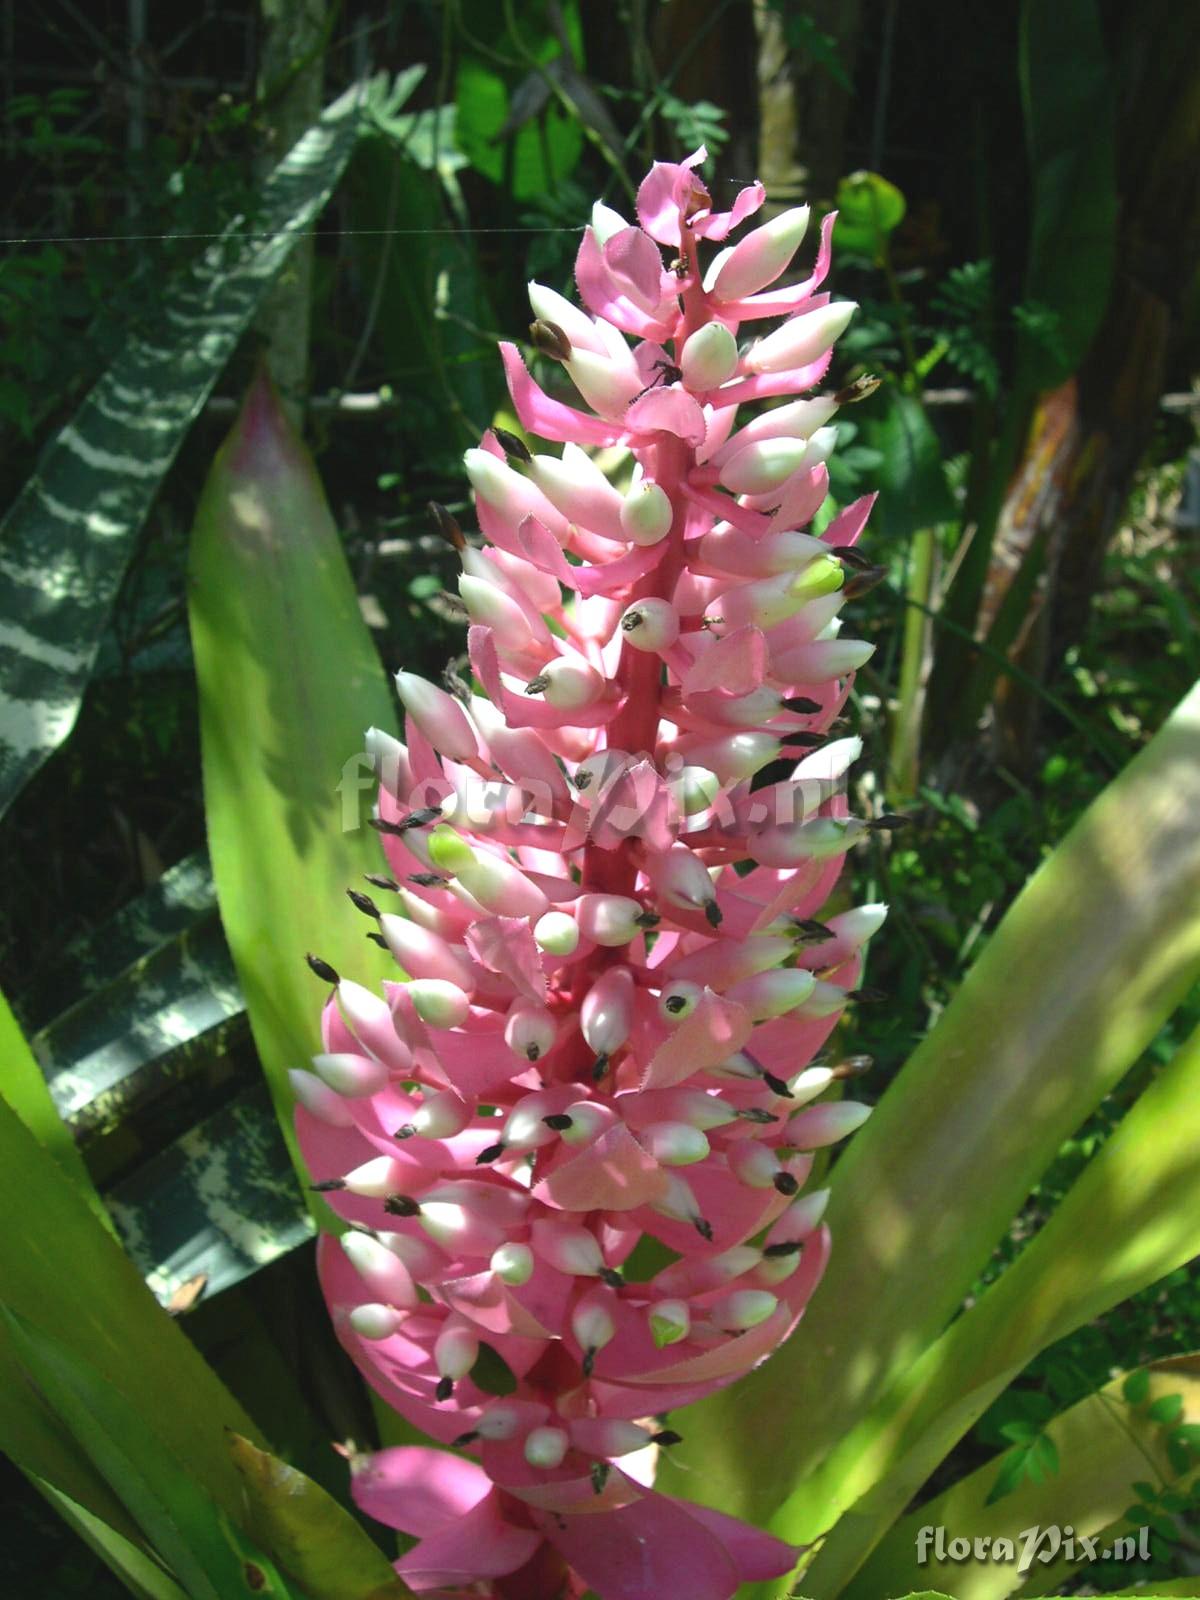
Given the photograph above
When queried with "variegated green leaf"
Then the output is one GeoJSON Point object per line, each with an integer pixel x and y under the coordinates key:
{"type": "Point", "coordinates": [136, 1037]}
{"type": "Point", "coordinates": [65, 542]}
{"type": "Point", "coordinates": [180, 899]}
{"type": "Point", "coordinates": [221, 1200]}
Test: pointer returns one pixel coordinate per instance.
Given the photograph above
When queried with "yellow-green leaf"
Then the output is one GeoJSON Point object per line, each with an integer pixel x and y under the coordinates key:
{"type": "Point", "coordinates": [70, 1277]}
{"type": "Point", "coordinates": [1096, 952]}
{"type": "Point", "coordinates": [289, 682]}
{"type": "Point", "coordinates": [1105, 1447]}
{"type": "Point", "coordinates": [1131, 1217]}
{"type": "Point", "coordinates": [308, 1533]}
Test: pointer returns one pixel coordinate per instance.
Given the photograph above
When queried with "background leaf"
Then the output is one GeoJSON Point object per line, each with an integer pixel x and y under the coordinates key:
{"type": "Point", "coordinates": [1068, 97]}
{"type": "Point", "coordinates": [65, 541]}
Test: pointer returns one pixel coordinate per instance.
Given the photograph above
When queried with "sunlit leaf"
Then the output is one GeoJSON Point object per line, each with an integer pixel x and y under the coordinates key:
{"type": "Point", "coordinates": [121, 1442]}
{"type": "Point", "coordinates": [141, 1574]}
{"type": "Point", "coordinates": [70, 1276]}
{"type": "Point", "coordinates": [308, 1533]}
{"type": "Point", "coordinates": [289, 681]}
{"type": "Point", "coordinates": [1094, 955]}
{"type": "Point", "coordinates": [1131, 1217]}
{"type": "Point", "coordinates": [869, 210]}
{"type": "Point", "coordinates": [1103, 1450]}
{"type": "Point", "coordinates": [23, 1085]}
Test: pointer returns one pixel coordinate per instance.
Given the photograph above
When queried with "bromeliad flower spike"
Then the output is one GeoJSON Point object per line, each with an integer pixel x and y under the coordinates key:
{"type": "Point", "coordinates": [617, 979]}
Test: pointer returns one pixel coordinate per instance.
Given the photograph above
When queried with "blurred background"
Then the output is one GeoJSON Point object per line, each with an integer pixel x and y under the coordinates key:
{"type": "Point", "coordinates": [1017, 187]}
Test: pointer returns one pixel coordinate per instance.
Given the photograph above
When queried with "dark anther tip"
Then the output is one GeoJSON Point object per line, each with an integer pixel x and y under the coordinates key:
{"type": "Point", "coordinates": [377, 938]}
{"type": "Point", "coordinates": [549, 339]}
{"type": "Point", "coordinates": [401, 1205]}
{"type": "Point", "coordinates": [558, 1120]}
{"type": "Point", "coordinates": [777, 1086]}
{"type": "Point", "coordinates": [666, 1437]}
{"type": "Point", "coordinates": [445, 1388]}
{"type": "Point", "coordinates": [512, 446]}
{"type": "Point", "coordinates": [712, 914]}
{"type": "Point", "coordinates": [492, 1153]}
{"type": "Point", "coordinates": [703, 1227]}
{"type": "Point", "coordinates": [323, 970]}
{"type": "Point", "coordinates": [328, 1186]}
{"type": "Point", "coordinates": [612, 1278]}
{"type": "Point", "coordinates": [773, 1252]}
{"type": "Point", "coordinates": [406, 1131]}
{"type": "Point", "coordinates": [445, 524]}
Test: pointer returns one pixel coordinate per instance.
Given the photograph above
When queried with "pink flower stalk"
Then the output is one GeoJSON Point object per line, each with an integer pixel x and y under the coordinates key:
{"type": "Point", "coordinates": [617, 984]}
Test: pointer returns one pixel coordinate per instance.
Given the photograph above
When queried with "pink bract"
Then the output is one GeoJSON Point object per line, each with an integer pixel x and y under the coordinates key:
{"type": "Point", "coordinates": [610, 853]}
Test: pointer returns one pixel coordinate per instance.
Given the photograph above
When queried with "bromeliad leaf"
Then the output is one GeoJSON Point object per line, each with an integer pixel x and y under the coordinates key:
{"type": "Point", "coordinates": [65, 542]}
{"type": "Point", "coordinates": [1103, 1451]}
{"type": "Point", "coordinates": [220, 1202]}
{"type": "Point", "coordinates": [100, 1309]}
{"type": "Point", "coordinates": [308, 1533]}
{"type": "Point", "coordinates": [289, 681]}
{"type": "Point", "coordinates": [118, 1437]}
{"type": "Point", "coordinates": [954, 1138]}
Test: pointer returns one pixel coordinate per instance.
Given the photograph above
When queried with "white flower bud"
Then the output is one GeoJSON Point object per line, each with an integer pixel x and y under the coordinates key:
{"type": "Point", "coordinates": [319, 1100]}
{"type": "Point", "coordinates": [513, 1264]}
{"type": "Point", "coordinates": [675, 1144]}
{"type": "Point", "coordinates": [438, 1003]}
{"type": "Point", "coordinates": [356, 1077]}
{"type": "Point", "coordinates": [802, 339]}
{"type": "Point", "coordinates": [761, 255]}
{"type": "Point", "coordinates": [670, 1321]}
{"type": "Point", "coordinates": [455, 1350]}
{"type": "Point", "coordinates": [556, 933]}
{"type": "Point", "coordinates": [709, 357]}
{"type": "Point", "coordinates": [744, 1308]}
{"type": "Point", "coordinates": [374, 1321]}
{"type": "Point", "coordinates": [546, 1447]}
{"type": "Point", "coordinates": [646, 513]}
{"type": "Point", "coordinates": [650, 624]}
{"type": "Point", "coordinates": [609, 919]}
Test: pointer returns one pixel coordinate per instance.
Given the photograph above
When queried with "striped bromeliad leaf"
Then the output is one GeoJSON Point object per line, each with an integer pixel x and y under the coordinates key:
{"type": "Point", "coordinates": [65, 542]}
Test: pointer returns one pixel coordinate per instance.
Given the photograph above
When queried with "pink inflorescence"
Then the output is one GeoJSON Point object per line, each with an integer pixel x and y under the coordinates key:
{"type": "Point", "coordinates": [617, 984]}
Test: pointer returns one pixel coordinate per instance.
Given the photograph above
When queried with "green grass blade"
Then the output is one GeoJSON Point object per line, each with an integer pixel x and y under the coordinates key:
{"type": "Point", "coordinates": [1098, 949]}
{"type": "Point", "coordinates": [289, 680]}
{"type": "Point", "coordinates": [65, 542]}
